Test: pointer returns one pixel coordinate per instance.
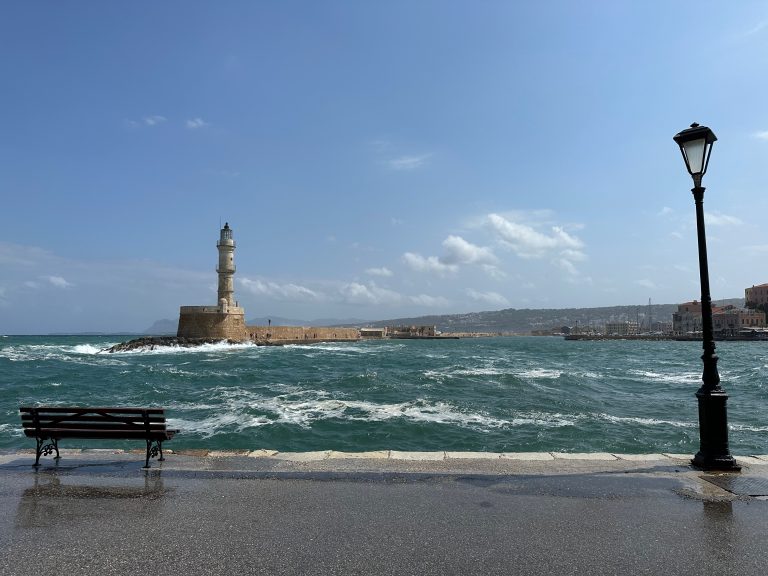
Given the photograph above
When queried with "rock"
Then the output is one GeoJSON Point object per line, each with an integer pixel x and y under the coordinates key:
{"type": "Point", "coordinates": [150, 342]}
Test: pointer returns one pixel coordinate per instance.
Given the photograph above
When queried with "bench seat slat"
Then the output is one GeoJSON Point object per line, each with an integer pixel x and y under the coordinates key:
{"type": "Point", "coordinates": [93, 426]}
{"type": "Point", "coordinates": [96, 418]}
{"type": "Point", "coordinates": [104, 434]}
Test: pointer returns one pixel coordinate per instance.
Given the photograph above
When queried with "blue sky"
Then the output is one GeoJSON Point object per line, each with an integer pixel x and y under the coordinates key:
{"type": "Point", "coordinates": [375, 159]}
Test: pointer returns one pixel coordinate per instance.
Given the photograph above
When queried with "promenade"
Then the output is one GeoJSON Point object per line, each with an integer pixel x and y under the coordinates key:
{"type": "Point", "coordinates": [382, 513]}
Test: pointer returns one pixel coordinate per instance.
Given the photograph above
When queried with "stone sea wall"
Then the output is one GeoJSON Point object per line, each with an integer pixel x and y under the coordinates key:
{"type": "Point", "coordinates": [300, 333]}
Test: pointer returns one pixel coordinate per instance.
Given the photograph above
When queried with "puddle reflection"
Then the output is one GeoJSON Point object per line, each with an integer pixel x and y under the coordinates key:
{"type": "Point", "coordinates": [52, 500]}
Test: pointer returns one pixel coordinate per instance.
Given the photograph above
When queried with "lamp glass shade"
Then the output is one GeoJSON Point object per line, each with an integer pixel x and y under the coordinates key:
{"type": "Point", "coordinates": [696, 146]}
{"type": "Point", "coordinates": [695, 152]}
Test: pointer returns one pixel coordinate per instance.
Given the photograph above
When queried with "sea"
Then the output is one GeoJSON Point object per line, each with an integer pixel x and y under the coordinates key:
{"type": "Point", "coordinates": [506, 394]}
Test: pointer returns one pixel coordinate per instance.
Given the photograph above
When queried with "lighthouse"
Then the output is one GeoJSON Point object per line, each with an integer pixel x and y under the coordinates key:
{"type": "Point", "coordinates": [226, 320]}
{"type": "Point", "coordinates": [226, 268]}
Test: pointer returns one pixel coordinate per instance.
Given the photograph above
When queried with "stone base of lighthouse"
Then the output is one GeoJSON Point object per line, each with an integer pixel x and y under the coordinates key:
{"type": "Point", "coordinates": [227, 323]}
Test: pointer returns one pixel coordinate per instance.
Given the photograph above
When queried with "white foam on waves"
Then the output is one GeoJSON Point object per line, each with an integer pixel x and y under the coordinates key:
{"type": "Point", "coordinates": [305, 408]}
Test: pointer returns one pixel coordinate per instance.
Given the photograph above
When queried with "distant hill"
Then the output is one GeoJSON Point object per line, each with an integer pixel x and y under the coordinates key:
{"type": "Point", "coordinates": [527, 320]}
{"type": "Point", "coordinates": [520, 321]}
{"type": "Point", "coordinates": [163, 327]}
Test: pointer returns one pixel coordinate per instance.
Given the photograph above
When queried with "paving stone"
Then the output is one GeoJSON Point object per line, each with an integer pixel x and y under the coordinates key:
{"type": "Point", "coordinates": [750, 461]}
{"type": "Point", "coordinates": [227, 453]}
{"type": "Point", "coordinates": [530, 456]}
{"type": "Point", "coordinates": [261, 453]}
{"type": "Point", "coordinates": [584, 456]}
{"type": "Point", "coordinates": [375, 454]}
{"type": "Point", "coordinates": [640, 457]}
{"type": "Point", "coordinates": [199, 453]}
{"type": "Point", "coordinates": [303, 456]}
{"type": "Point", "coordinates": [474, 455]}
{"type": "Point", "coordinates": [687, 457]}
{"type": "Point", "coordinates": [398, 455]}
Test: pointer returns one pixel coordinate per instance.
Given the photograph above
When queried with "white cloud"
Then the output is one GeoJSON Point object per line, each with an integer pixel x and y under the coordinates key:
{"type": "Point", "coordinates": [154, 120]}
{"type": "Point", "coordinates": [493, 298]}
{"type": "Point", "coordinates": [718, 219]}
{"type": "Point", "coordinates": [462, 252]}
{"type": "Point", "coordinates": [562, 248]}
{"type": "Point", "coordinates": [430, 301]}
{"type": "Point", "coordinates": [407, 163]}
{"type": "Point", "coordinates": [646, 283]}
{"type": "Point", "coordinates": [567, 266]}
{"type": "Point", "coordinates": [58, 282]}
{"type": "Point", "coordinates": [431, 264]}
{"type": "Point", "coordinates": [762, 135]}
{"type": "Point", "coordinates": [527, 242]}
{"type": "Point", "coordinates": [383, 271]}
{"type": "Point", "coordinates": [381, 145]}
{"type": "Point", "coordinates": [573, 255]}
{"type": "Point", "coordinates": [755, 29]}
{"type": "Point", "coordinates": [24, 256]}
{"type": "Point", "coordinates": [493, 271]}
{"type": "Point", "coordinates": [356, 293]}
{"type": "Point", "coordinates": [458, 252]}
{"type": "Point", "coordinates": [666, 211]}
{"type": "Point", "coordinates": [291, 292]}
{"type": "Point", "coordinates": [55, 281]}
{"type": "Point", "coordinates": [196, 123]}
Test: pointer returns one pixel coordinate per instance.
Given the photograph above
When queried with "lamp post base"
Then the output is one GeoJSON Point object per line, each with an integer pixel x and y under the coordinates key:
{"type": "Point", "coordinates": [714, 453]}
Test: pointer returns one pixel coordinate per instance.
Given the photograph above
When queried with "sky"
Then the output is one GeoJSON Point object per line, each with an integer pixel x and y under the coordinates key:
{"type": "Point", "coordinates": [375, 160]}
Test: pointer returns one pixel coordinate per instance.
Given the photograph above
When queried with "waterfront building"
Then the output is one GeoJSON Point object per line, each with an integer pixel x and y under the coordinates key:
{"type": "Point", "coordinates": [623, 328]}
{"type": "Point", "coordinates": [412, 331]}
{"type": "Point", "coordinates": [687, 318]}
{"type": "Point", "coordinates": [729, 320]}
{"type": "Point", "coordinates": [756, 296]}
{"type": "Point", "coordinates": [373, 332]}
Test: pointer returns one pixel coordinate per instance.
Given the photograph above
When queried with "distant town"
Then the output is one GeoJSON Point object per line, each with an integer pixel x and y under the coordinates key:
{"type": "Point", "coordinates": [729, 321]}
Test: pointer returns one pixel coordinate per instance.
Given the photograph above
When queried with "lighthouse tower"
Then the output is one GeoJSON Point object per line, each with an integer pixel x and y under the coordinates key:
{"type": "Point", "coordinates": [226, 268]}
{"type": "Point", "coordinates": [226, 320]}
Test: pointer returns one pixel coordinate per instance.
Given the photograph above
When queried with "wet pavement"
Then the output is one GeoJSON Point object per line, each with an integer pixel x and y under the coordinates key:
{"type": "Point", "coordinates": [102, 513]}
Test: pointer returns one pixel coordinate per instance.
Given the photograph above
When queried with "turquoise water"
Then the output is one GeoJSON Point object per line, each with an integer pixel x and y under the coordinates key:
{"type": "Point", "coordinates": [489, 394]}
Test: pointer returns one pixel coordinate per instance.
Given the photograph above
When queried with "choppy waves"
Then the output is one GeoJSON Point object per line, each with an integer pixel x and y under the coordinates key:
{"type": "Point", "coordinates": [476, 394]}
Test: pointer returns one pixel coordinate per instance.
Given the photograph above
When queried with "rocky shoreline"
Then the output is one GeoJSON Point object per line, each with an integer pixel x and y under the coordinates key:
{"type": "Point", "coordinates": [151, 342]}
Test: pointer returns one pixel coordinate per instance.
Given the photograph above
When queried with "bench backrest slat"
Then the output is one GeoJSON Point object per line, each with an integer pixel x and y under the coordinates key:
{"type": "Point", "coordinates": [123, 410]}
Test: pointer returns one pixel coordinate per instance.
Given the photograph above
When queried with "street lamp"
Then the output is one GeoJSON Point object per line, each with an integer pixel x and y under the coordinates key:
{"type": "Point", "coordinates": [696, 146]}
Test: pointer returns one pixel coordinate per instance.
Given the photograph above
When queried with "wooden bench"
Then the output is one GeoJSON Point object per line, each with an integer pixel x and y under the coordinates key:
{"type": "Point", "coordinates": [49, 424]}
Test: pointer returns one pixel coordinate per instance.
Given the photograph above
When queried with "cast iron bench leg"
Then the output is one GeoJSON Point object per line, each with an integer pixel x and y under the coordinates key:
{"type": "Point", "coordinates": [153, 451]}
{"type": "Point", "coordinates": [46, 449]}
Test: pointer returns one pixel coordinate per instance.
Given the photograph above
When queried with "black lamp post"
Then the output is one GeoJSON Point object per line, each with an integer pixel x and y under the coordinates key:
{"type": "Point", "coordinates": [714, 454]}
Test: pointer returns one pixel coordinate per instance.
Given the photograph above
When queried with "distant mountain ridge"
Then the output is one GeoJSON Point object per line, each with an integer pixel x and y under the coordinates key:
{"type": "Point", "coordinates": [520, 321]}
